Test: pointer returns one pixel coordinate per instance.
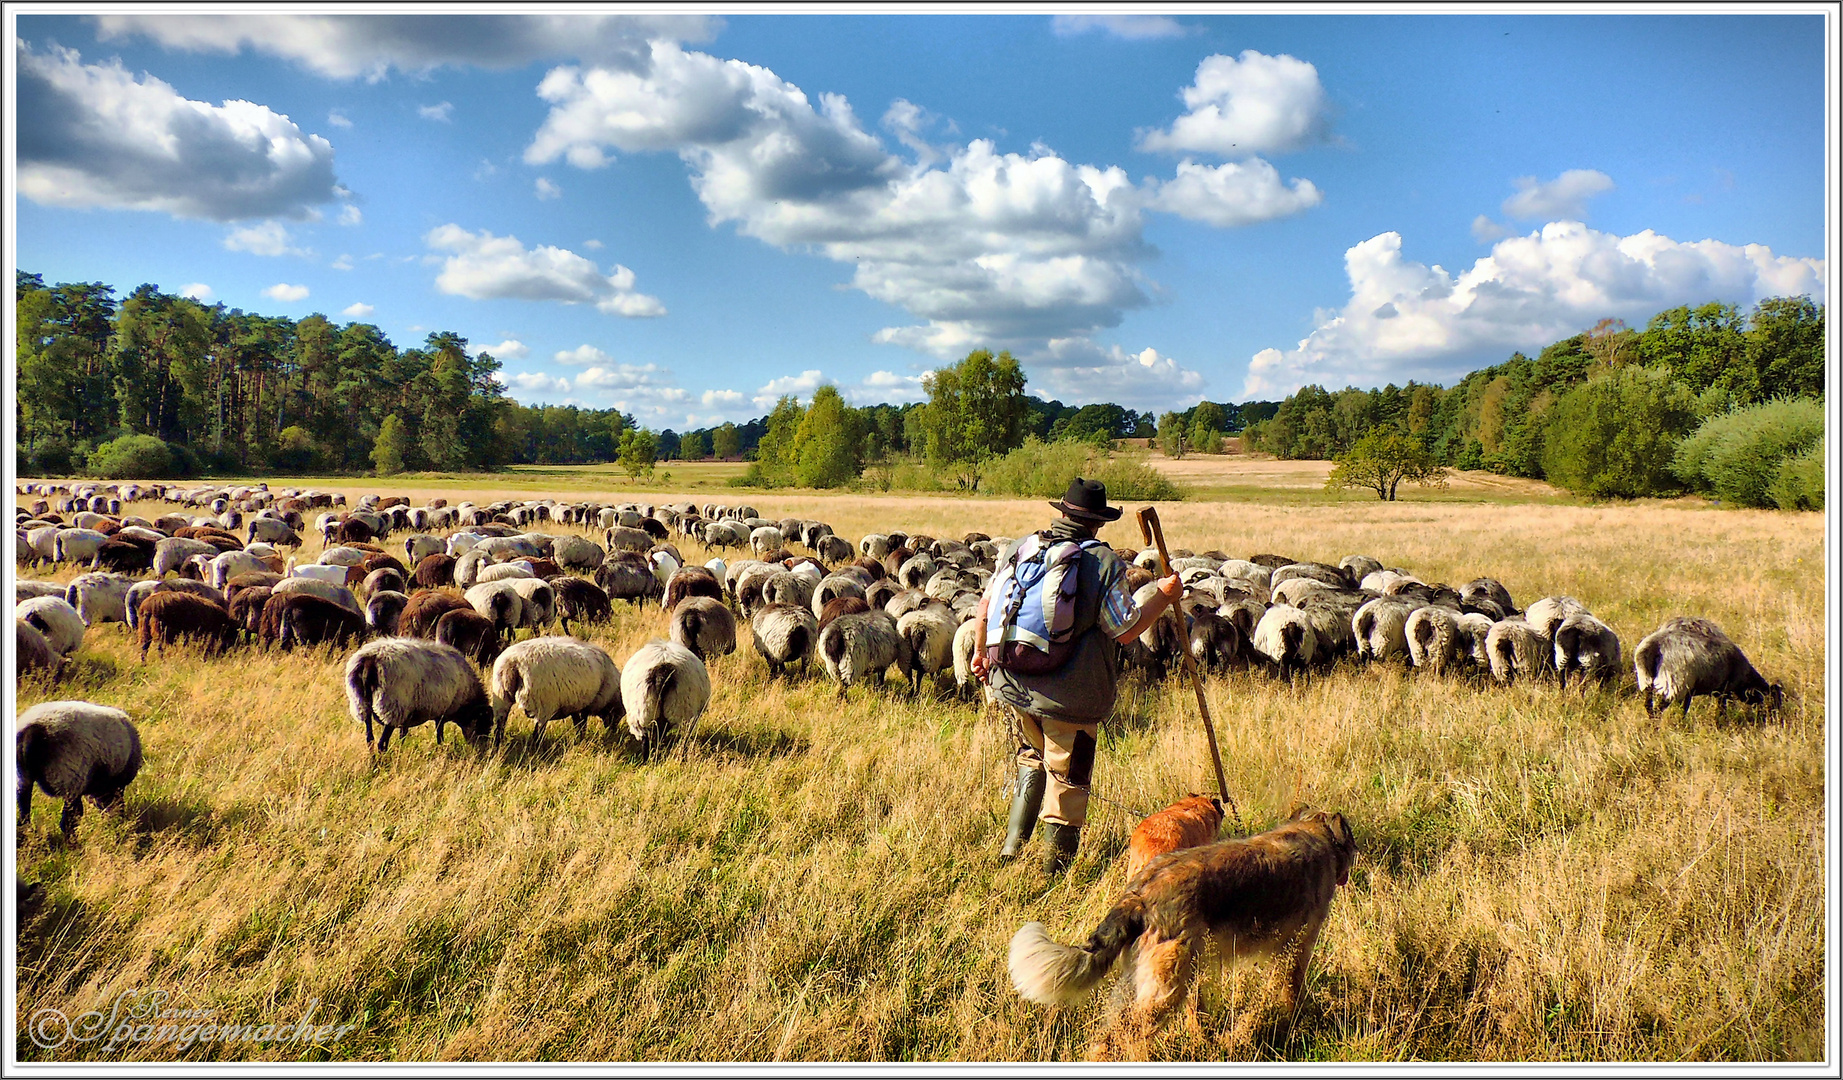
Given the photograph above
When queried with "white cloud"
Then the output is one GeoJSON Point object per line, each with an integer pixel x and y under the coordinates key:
{"type": "Point", "coordinates": [1127, 27]}
{"type": "Point", "coordinates": [287, 294]}
{"type": "Point", "coordinates": [443, 112]}
{"type": "Point", "coordinates": [268, 238]}
{"type": "Point", "coordinates": [1564, 197]}
{"type": "Point", "coordinates": [548, 190]}
{"type": "Point", "coordinates": [1080, 371]}
{"type": "Point", "coordinates": [721, 398]}
{"type": "Point", "coordinates": [1257, 104]}
{"type": "Point", "coordinates": [642, 389]}
{"type": "Point", "coordinates": [1486, 231]}
{"type": "Point", "coordinates": [338, 119]}
{"type": "Point", "coordinates": [371, 44]}
{"type": "Point", "coordinates": [509, 349]}
{"type": "Point", "coordinates": [886, 387]}
{"type": "Point", "coordinates": [344, 262]}
{"type": "Point", "coordinates": [484, 267]}
{"type": "Point", "coordinates": [198, 290]}
{"type": "Point", "coordinates": [592, 245]}
{"type": "Point", "coordinates": [540, 383]}
{"type": "Point", "coordinates": [350, 215]}
{"type": "Point", "coordinates": [583, 354]}
{"type": "Point", "coordinates": [93, 135]}
{"type": "Point", "coordinates": [800, 386]}
{"type": "Point", "coordinates": [1409, 320]}
{"type": "Point", "coordinates": [1236, 193]}
{"type": "Point", "coordinates": [358, 311]}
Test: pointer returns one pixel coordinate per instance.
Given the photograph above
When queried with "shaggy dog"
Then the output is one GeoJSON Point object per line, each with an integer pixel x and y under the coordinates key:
{"type": "Point", "coordinates": [1248, 898]}
{"type": "Point", "coordinates": [1186, 823]}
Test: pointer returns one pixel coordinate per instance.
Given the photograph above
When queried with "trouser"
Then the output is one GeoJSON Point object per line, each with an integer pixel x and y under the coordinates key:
{"type": "Point", "coordinates": [1066, 752]}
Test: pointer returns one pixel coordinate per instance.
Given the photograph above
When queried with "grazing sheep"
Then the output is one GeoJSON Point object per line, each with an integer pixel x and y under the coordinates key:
{"type": "Point", "coordinates": [467, 567]}
{"type": "Point", "coordinates": [929, 632]}
{"type": "Point", "coordinates": [1294, 590]}
{"type": "Point", "coordinates": [1358, 567]}
{"type": "Point", "coordinates": [1284, 637]}
{"type": "Point", "coordinates": [473, 634]}
{"type": "Point", "coordinates": [622, 538]}
{"type": "Point", "coordinates": [1332, 613]}
{"type": "Point", "coordinates": [1244, 611]}
{"type": "Point", "coordinates": [904, 602]}
{"type": "Point", "coordinates": [78, 545]}
{"type": "Point", "coordinates": [853, 646]}
{"type": "Point", "coordinates": [583, 601]}
{"type": "Point", "coordinates": [540, 604]}
{"type": "Point", "coordinates": [54, 617]}
{"type": "Point", "coordinates": [168, 616]}
{"type": "Point", "coordinates": [1490, 589]}
{"type": "Point", "coordinates": [171, 554]}
{"type": "Point", "coordinates": [552, 677]}
{"type": "Point", "coordinates": [1432, 634]}
{"type": "Point", "coordinates": [433, 572]}
{"type": "Point", "coordinates": [273, 531]}
{"type": "Point", "coordinates": [1216, 643]}
{"type": "Point", "coordinates": [704, 626]}
{"type": "Point", "coordinates": [99, 598]}
{"type": "Point", "coordinates": [31, 652]}
{"type": "Point", "coordinates": [71, 750]}
{"type": "Point", "coordinates": [787, 587]}
{"type": "Point", "coordinates": [1587, 645]}
{"type": "Point", "coordinates": [663, 686]}
{"type": "Point", "coordinates": [766, 539]}
{"type": "Point", "coordinates": [1473, 633]}
{"type": "Point", "coordinates": [783, 635]}
{"type": "Point", "coordinates": [834, 586]}
{"type": "Point", "coordinates": [331, 573]}
{"type": "Point", "coordinates": [1515, 647]}
{"type": "Point", "coordinates": [627, 575]}
{"type": "Point", "coordinates": [247, 608]}
{"type": "Point", "coordinates": [1380, 626]}
{"type": "Point", "coordinates": [832, 549]}
{"type": "Point", "coordinates": [577, 554]}
{"type": "Point", "coordinates": [402, 682]}
{"type": "Point", "coordinates": [1548, 613]}
{"type": "Point", "coordinates": [840, 606]}
{"type": "Point", "coordinates": [309, 620]}
{"type": "Point", "coordinates": [338, 594]}
{"type": "Point", "coordinates": [689, 581]}
{"type": "Point", "coordinates": [1690, 656]}
{"type": "Point", "coordinates": [343, 556]}
{"type": "Point", "coordinates": [500, 602]}
{"type": "Point", "coordinates": [1329, 575]}
{"type": "Point", "coordinates": [420, 614]}
{"type": "Point", "coordinates": [263, 579]}
{"type": "Point", "coordinates": [124, 556]}
{"type": "Point", "coordinates": [383, 579]}
{"type": "Point", "coordinates": [141, 590]}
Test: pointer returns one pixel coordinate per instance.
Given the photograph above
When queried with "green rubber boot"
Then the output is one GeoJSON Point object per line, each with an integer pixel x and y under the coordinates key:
{"type": "Point", "coordinates": [1024, 807]}
{"type": "Point", "coordinates": [1062, 840]}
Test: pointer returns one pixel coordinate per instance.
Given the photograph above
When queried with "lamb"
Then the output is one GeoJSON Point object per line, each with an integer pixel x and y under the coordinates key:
{"type": "Point", "coordinates": [310, 620]}
{"type": "Point", "coordinates": [420, 614]}
{"type": "Point", "coordinates": [54, 617]}
{"type": "Point", "coordinates": [663, 686]}
{"type": "Point", "coordinates": [402, 682]}
{"type": "Point", "coordinates": [470, 632]}
{"type": "Point", "coordinates": [704, 626]}
{"type": "Point", "coordinates": [99, 598]}
{"type": "Point", "coordinates": [1433, 638]}
{"type": "Point", "coordinates": [71, 750]}
{"type": "Point", "coordinates": [853, 646]}
{"type": "Point", "coordinates": [168, 616]}
{"type": "Point", "coordinates": [578, 599]}
{"type": "Point", "coordinates": [31, 652]}
{"type": "Point", "coordinates": [1284, 636]}
{"type": "Point", "coordinates": [1690, 656]}
{"type": "Point", "coordinates": [1587, 645]}
{"type": "Point", "coordinates": [1516, 647]}
{"type": "Point", "coordinates": [689, 581]}
{"type": "Point", "coordinates": [1380, 627]}
{"type": "Point", "coordinates": [929, 632]}
{"type": "Point", "coordinates": [552, 677]}
{"type": "Point", "coordinates": [1547, 614]}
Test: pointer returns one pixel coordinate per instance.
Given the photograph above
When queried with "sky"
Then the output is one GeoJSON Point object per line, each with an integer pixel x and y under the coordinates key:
{"type": "Point", "coordinates": [686, 215]}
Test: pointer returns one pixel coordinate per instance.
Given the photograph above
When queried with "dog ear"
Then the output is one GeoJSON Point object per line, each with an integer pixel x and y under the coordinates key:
{"type": "Point", "coordinates": [1340, 831]}
{"type": "Point", "coordinates": [1298, 811]}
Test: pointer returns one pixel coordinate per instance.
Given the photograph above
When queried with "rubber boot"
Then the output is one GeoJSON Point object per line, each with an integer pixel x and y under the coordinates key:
{"type": "Point", "coordinates": [1062, 841]}
{"type": "Point", "coordinates": [1024, 808]}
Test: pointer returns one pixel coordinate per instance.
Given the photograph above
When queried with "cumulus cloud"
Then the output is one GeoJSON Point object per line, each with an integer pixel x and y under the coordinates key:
{"type": "Point", "coordinates": [370, 45]}
{"type": "Point", "coordinates": [582, 354]}
{"type": "Point", "coordinates": [714, 399]}
{"type": "Point", "coordinates": [198, 290]}
{"type": "Point", "coordinates": [1563, 197]}
{"type": "Point", "coordinates": [548, 190]}
{"type": "Point", "coordinates": [338, 119]}
{"type": "Point", "coordinates": [540, 383]}
{"type": "Point", "coordinates": [1237, 193]}
{"type": "Point", "coordinates": [1408, 320]}
{"type": "Point", "coordinates": [287, 294]}
{"type": "Point", "coordinates": [509, 349]}
{"type": "Point", "coordinates": [93, 135]}
{"type": "Point", "coordinates": [268, 238]}
{"type": "Point", "coordinates": [886, 387]}
{"type": "Point", "coordinates": [800, 386]}
{"type": "Point", "coordinates": [646, 390]}
{"type": "Point", "coordinates": [1256, 104]}
{"type": "Point", "coordinates": [350, 215]}
{"type": "Point", "coordinates": [1127, 27]}
{"type": "Point", "coordinates": [1079, 370]}
{"type": "Point", "coordinates": [358, 311]}
{"type": "Point", "coordinates": [1486, 231]}
{"type": "Point", "coordinates": [482, 266]}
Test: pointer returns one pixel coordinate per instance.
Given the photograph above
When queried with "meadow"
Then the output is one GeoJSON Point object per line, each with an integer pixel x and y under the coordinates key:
{"type": "Point", "coordinates": [1545, 875]}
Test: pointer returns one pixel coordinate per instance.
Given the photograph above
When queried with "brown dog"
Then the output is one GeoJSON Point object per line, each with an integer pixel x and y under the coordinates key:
{"type": "Point", "coordinates": [1250, 898]}
{"type": "Point", "coordinates": [1186, 823]}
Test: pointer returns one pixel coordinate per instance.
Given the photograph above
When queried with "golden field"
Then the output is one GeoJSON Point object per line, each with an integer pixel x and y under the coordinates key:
{"type": "Point", "coordinates": [1545, 875]}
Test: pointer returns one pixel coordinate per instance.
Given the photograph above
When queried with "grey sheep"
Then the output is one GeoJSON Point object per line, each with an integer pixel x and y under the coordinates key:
{"type": "Point", "coordinates": [402, 682]}
{"type": "Point", "coordinates": [929, 632]}
{"type": "Point", "coordinates": [53, 617]}
{"type": "Point", "coordinates": [663, 687]}
{"type": "Point", "coordinates": [1546, 614]}
{"type": "Point", "coordinates": [704, 626]}
{"type": "Point", "coordinates": [783, 635]}
{"type": "Point", "coordinates": [1587, 645]}
{"type": "Point", "coordinates": [787, 587]}
{"type": "Point", "coordinates": [1690, 656]}
{"type": "Point", "coordinates": [31, 652]}
{"type": "Point", "coordinates": [552, 677]}
{"type": "Point", "coordinates": [854, 646]}
{"type": "Point", "coordinates": [99, 598]}
{"type": "Point", "coordinates": [1515, 648]}
{"type": "Point", "coordinates": [1490, 589]}
{"type": "Point", "coordinates": [383, 610]}
{"type": "Point", "coordinates": [71, 750]}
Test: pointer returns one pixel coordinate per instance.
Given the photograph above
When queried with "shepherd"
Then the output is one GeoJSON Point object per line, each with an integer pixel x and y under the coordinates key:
{"type": "Point", "coordinates": [1051, 623]}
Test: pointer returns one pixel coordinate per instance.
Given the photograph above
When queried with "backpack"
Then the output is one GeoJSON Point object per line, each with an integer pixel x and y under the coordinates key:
{"type": "Point", "coordinates": [1030, 621]}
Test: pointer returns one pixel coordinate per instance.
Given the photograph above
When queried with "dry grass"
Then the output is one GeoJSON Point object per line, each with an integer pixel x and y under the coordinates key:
{"type": "Point", "coordinates": [1545, 875]}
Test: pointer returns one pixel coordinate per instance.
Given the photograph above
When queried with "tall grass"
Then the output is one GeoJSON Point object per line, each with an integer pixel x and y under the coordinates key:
{"type": "Point", "coordinates": [1544, 876]}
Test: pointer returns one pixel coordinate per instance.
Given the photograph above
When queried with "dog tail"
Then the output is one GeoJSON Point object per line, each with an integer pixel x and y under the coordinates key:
{"type": "Point", "coordinates": [1052, 974]}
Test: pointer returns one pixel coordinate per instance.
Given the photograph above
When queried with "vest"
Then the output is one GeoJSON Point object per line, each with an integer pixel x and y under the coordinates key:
{"type": "Point", "coordinates": [1083, 690]}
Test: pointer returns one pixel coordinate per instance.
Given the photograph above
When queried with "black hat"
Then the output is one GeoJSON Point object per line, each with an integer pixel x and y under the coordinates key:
{"type": "Point", "coordinates": [1086, 500]}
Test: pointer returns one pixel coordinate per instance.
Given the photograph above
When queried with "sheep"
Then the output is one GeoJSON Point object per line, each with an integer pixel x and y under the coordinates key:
{"type": "Point", "coordinates": [433, 572]}
{"type": "Point", "coordinates": [500, 602]}
{"type": "Point", "coordinates": [663, 686]}
{"type": "Point", "coordinates": [99, 598]}
{"type": "Point", "coordinates": [704, 626]}
{"type": "Point", "coordinates": [331, 573]}
{"type": "Point", "coordinates": [835, 586]}
{"type": "Point", "coordinates": [540, 604]}
{"type": "Point", "coordinates": [1587, 645]}
{"type": "Point", "coordinates": [1379, 581]}
{"type": "Point", "coordinates": [552, 677]}
{"type": "Point", "coordinates": [787, 587]}
{"type": "Point", "coordinates": [832, 549]}
{"type": "Point", "coordinates": [169, 616]}
{"type": "Point", "coordinates": [624, 538]}
{"type": "Point", "coordinates": [273, 531]}
{"type": "Point", "coordinates": [1358, 567]}
{"type": "Point", "coordinates": [124, 556]}
{"type": "Point", "coordinates": [420, 546]}
{"type": "Point", "coordinates": [71, 750]}
{"type": "Point", "coordinates": [929, 632]}
{"type": "Point", "coordinates": [383, 579]}
{"type": "Point", "coordinates": [141, 590]}
{"type": "Point", "coordinates": [853, 646]}
{"type": "Point", "coordinates": [1285, 637]}
{"type": "Point", "coordinates": [765, 539]}
{"type": "Point", "coordinates": [170, 554]}
{"type": "Point", "coordinates": [627, 575]}
{"type": "Point", "coordinates": [1432, 635]}
{"type": "Point", "coordinates": [420, 614]}
{"type": "Point", "coordinates": [1294, 590]}
{"type": "Point", "coordinates": [54, 617]}
{"type": "Point", "coordinates": [1474, 632]}
{"type": "Point", "coordinates": [1244, 611]}
{"type": "Point", "coordinates": [1216, 643]}
{"type": "Point", "coordinates": [502, 572]}
{"type": "Point", "coordinates": [904, 602]}
{"type": "Point", "coordinates": [1332, 613]}
{"type": "Point", "coordinates": [229, 564]}
{"type": "Point", "coordinates": [338, 594]}
{"type": "Point", "coordinates": [689, 581]}
{"type": "Point", "coordinates": [578, 599]}
{"type": "Point", "coordinates": [310, 620]}
{"type": "Point", "coordinates": [26, 590]}
{"type": "Point", "coordinates": [1330, 575]}
{"type": "Point", "coordinates": [1515, 647]}
{"type": "Point", "coordinates": [472, 633]}
{"type": "Point", "coordinates": [1547, 614]}
{"type": "Point", "coordinates": [1491, 589]}
{"type": "Point", "coordinates": [31, 652]}
{"type": "Point", "coordinates": [247, 607]}
{"type": "Point", "coordinates": [578, 554]}
{"type": "Point", "coordinates": [78, 545]}
{"type": "Point", "coordinates": [402, 682]}
{"type": "Point", "coordinates": [1380, 626]}
{"type": "Point", "coordinates": [467, 567]}
{"type": "Point", "coordinates": [1690, 656]}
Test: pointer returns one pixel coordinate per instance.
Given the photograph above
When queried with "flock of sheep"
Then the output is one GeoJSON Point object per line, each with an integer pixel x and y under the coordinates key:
{"type": "Point", "coordinates": [437, 630]}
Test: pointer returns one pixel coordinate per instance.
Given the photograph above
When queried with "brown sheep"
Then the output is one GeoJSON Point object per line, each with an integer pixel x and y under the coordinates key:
{"type": "Point", "coordinates": [353, 529]}
{"type": "Point", "coordinates": [843, 605]}
{"type": "Point", "coordinates": [246, 607]}
{"type": "Point", "coordinates": [472, 633]}
{"type": "Point", "coordinates": [579, 599]}
{"type": "Point", "coordinates": [689, 581]}
{"type": "Point", "coordinates": [872, 567]}
{"type": "Point", "coordinates": [309, 620]}
{"type": "Point", "coordinates": [382, 560]}
{"type": "Point", "coordinates": [433, 572]}
{"type": "Point", "coordinates": [249, 580]}
{"type": "Point", "coordinates": [425, 608]}
{"type": "Point", "coordinates": [169, 616]}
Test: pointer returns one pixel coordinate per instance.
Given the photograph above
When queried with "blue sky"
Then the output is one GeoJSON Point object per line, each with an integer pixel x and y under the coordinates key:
{"type": "Point", "coordinates": [685, 215]}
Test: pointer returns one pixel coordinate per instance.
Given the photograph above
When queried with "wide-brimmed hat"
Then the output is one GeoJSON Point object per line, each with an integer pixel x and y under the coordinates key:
{"type": "Point", "coordinates": [1086, 500]}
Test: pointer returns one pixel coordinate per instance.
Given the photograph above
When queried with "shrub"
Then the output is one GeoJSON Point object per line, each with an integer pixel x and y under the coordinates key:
{"type": "Point", "coordinates": [1612, 436]}
{"type": "Point", "coordinates": [132, 457]}
{"type": "Point", "coordinates": [1800, 483]}
{"type": "Point", "coordinates": [51, 457]}
{"type": "Point", "coordinates": [1044, 470]}
{"type": "Point", "coordinates": [1737, 457]}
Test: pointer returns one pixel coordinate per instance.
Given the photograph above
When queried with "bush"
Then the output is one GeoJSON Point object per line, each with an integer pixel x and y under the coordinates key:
{"type": "Point", "coordinates": [1737, 457]}
{"type": "Point", "coordinates": [1800, 483]}
{"type": "Point", "coordinates": [133, 457]}
{"type": "Point", "coordinates": [1044, 470]}
{"type": "Point", "coordinates": [1612, 436]}
{"type": "Point", "coordinates": [50, 457]}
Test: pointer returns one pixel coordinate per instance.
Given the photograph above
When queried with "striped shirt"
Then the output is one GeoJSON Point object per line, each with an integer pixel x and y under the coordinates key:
{"type": "Point", "coordinates": [1118, 612]}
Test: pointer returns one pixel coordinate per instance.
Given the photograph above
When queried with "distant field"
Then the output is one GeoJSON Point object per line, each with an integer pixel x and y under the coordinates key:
{"type": "Point", "coordinates": [1544, 875]}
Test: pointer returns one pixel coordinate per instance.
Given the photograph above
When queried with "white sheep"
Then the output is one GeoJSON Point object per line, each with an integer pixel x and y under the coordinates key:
{"type": "Point", "coordinates": [53, 617]}
{"type": "Point", "coordinates": [1548, 613]}
{"type": "Point", "coordinates": [402, 682]}
{"type": "Point", "coordinates": [854, 646]}
{"type": "Point", "coordinates": [540, 604]}
{"type": "Point", "coordinates": [929, 632]}
{"type": "Point", "coordinates": [1515, 647]}
{"type": "Point", "coordinates": [74, 749]}
{"type": "Point", "coordinates": [1380, 626]}
{"type": "Point", "coordinates": [330, 573]}
{"type": "Point", "coordinates": [766, 539]}
{"type": "Point", "coordinates": [171, 553]}
{"type": "Point", "coordinates": [663, 687]}
{"type": "Point", "coordinates": [500, 602]}
{"type": "Point", "coordinates": [784, 634]}
{"type": "Point", "coordinates": [26, 590]}
{"type": "Point", "coordinates": [1432, 634]}
{"type": "Point", "coordinates": [555, 676]}
{"type": "Point", "coordinates": [231, 563]}
{"type": "Point", "coordinates": [343, 556]}
{"type": "Point", "coordinates": [99, 598]}
{"type": "Point", "coordinates": [78, 545]}
{"type": "Point", "coordinates": [1285, 637]}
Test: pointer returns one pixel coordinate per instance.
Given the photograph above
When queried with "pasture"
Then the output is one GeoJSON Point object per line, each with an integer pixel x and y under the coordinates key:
{"type": "Point", "coordinates": [1545, 875]}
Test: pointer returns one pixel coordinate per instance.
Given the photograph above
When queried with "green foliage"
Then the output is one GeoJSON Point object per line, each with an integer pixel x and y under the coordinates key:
{"type": "Point", "coordinates": [725, 443]}
{"type": "Point", "coordinates": [1044, 469]}
{"type": "Point", "coordinates": [975, 412]}
{"type": "Point", "coordinates": [1800, 483]}
{"type": "Point", "coordinates": [827, 444]}
{"type": "Point", "coordinates": [1739, 457]}
{"type": "Point", "coordinates": [295, 451]}
{"type": "Point", "coordinates": [639, 450]}
{"type": "Point", "coordinates": [392, 446]}
{"type": "Point", "coordinates": [1381, 460]}
{"type": "Point", "coordinates": [1612, 436]}
{"type": "Point", "coordinates": [1172, 437]}
{"type": "Point", "coordinates": [133, 457]}
{"type": "Point", "coordinates": [693, 446]}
